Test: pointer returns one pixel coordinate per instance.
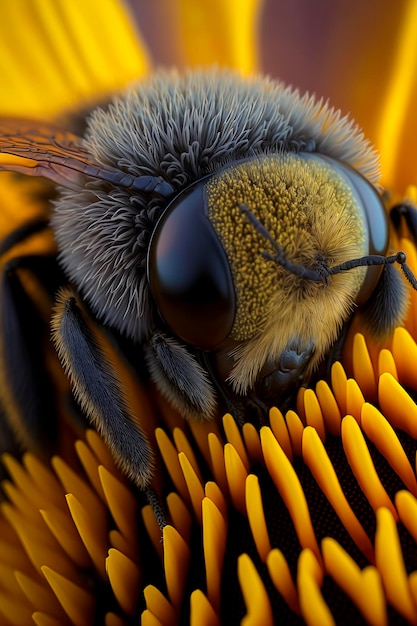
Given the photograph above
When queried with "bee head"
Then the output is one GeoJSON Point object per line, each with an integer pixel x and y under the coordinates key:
{"type": "Point", "coordinates": [258, 258]}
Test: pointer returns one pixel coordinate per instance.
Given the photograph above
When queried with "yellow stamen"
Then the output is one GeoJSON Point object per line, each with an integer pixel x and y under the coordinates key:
{"type": "Point", "coordinates": [386, 363]}
{"type": "Point", "coordinates": [315, 456]}
{"type": "Point", "coordinates": [280, 430]}
{"type": "Point", "coordinates": [63, 529]}
{"type": "Point", "coordinates": [381, 433]}
{"type": "Point", "coordinates": [217, 463]}
{"type": "Point", "coordinates": [339, 378]}
{"type": "Point", "coordinates": [121, 503]}
{"type": "Point", "coordinates": [76, 602]}
{"type": "Point", "coordinates": [170, 457]}
{"type": "Point", "coordinates": [213, 492]}
{"type": "Point", "coordinates": [281, 577]}
{"type": "Point", "coordinates": [354, 399]}
{"type": "Point", "coordinates": [180, 515]}
{"type": "Point", "coordinates": [93, 532]}
{"type": "Point", "coordinates": [194, 485]}
{"type": "Point", "coordinates": [309, 579]}
{"type": "Point", "coordinates": [362, 466]}
{"type": "Point", "coordinates": [254, 594]}
{"type": "Point", "coordinates": [295, 429]}
{"type": "Point", "coordinates": [406, 505]}
{"type": "Point", "coordinates": [202, 613]}
{"type": "Point", "coordinates": [176, 560]}
{"type": "Point", "coordinates": [234, 437]}
{"type": "Point", "coordinates": [124, 577]}
{"type": "Point", "coordinates": [313, 413]}
{"type": "Point", "coordinates": [290, 489]}
{"type": "Point", "coordinates": [159, 606]}
{"type": "Point", "coordinates": [398, 407]}
{"type": "Point", "coordinates": [330, 409]}
{"type": "Point", "coordinates": [252, 443]}
{"type": "Point", "coordinates": [236, 473]}
{"type": "Point", "coordinates": [363, 587]}
{"type": "Point", "coordinates": [390, 563]}
{"type": "Point", "coordinates": [183, 445]}
{"type": "Point", "coordinates": [214, 545]}
{"type": "Point", "coordinates": [256, 517]}
{"type": "Point", "coordinates": [363, 370]}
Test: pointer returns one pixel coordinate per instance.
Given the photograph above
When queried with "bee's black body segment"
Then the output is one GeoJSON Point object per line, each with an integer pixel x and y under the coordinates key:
{"type": "Point", "coordinates": [24, 338]}
{"type": "Point", "coordinates": [21, 233]}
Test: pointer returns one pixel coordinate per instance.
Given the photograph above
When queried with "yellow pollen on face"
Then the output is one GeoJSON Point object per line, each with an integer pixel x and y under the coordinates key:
{"type": "Point", "coordinates": [308, 209]}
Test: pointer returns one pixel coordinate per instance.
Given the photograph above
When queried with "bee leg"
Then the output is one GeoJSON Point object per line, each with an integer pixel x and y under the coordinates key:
{"type": "Point", "coordinates": [98, 390]}
{"type": "Point", "coordinates": [388, 305]}
{"type": "Point", "coordinates": [157, 507]}
{"type": "Point", "coordinates": [29, 408]}
{"type": "Point", "coordinates": [404, 212]}
{"type": "Point", "coordinates": [180, 378]}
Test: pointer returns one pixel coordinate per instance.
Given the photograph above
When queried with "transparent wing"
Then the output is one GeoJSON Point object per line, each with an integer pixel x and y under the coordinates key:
{"type": "Point", "coordinates": [40, 149]}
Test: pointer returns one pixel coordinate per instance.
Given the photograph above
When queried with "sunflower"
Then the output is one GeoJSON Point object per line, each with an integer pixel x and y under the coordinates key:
{"type": "Point", "coordinates": [312, 518]}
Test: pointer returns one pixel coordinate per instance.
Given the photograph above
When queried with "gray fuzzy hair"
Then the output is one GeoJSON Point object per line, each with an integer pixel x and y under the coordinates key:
{"type": "Point", "coordinates": [179, 127]}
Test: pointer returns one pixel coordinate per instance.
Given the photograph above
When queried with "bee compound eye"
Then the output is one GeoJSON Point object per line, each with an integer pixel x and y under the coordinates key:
{"type": "Point", "coordinates": [376, 221]}
{"type": "Point", "coordinates": [189, 274]}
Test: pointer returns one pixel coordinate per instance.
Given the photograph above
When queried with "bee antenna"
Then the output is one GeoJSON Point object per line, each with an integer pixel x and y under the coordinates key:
{"type": "Point", "coordinates": [323, 271]}
{"type": "Point", "coordinates": [318, 275]}
{"type": "Point", "coordinates": [376, 259]}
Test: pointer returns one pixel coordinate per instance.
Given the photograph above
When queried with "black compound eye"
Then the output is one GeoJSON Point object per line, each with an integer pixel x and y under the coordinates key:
{"type": "Point", "coordinates": [189, 274]}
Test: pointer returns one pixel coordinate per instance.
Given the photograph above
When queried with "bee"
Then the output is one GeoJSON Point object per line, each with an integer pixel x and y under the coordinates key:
{"type": "Point", "coordinates": [223, 229]}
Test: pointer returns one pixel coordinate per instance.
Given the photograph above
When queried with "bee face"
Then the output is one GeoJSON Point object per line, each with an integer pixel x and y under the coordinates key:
{"type": "Point", "coordinates": [209, 220]}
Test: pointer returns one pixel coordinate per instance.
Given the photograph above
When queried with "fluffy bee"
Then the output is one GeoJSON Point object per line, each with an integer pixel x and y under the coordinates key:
{"type": "Point", "coordinates": [225, 229]}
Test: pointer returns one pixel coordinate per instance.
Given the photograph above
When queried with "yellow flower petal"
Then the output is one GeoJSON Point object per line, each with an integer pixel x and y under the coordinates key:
{"type": "Point", "coordinates": [397, 101]}
{"type": "Point", "coordinates": [219, 32]}
{"type": "Point", "coordinates": [55, 55]}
